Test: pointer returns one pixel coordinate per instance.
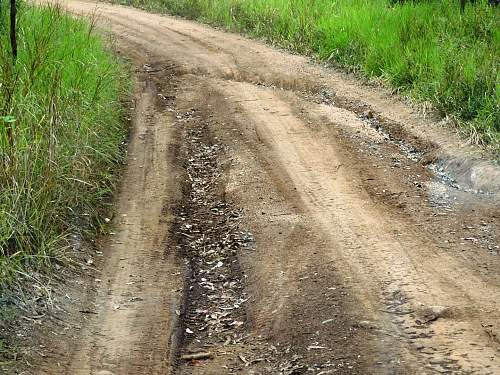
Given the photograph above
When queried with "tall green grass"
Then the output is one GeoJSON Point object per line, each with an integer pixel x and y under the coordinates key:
{"type": "Point", "coordinates": [426, 49]}
{"type": "Point", "coordinates": [60, 134]}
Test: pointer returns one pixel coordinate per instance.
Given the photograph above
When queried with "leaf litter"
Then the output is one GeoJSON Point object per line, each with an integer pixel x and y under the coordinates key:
{"type": "Point", "coordinates": [209, 238]}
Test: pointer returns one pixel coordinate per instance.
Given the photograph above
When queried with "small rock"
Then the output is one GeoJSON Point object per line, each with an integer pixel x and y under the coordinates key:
{"type": "Point", "coordinates": [432, 313]}
{"type": "Point", "coordinates": [368, 114]}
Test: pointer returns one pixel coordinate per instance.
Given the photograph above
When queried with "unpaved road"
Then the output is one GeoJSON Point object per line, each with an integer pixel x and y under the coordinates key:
{"type": "Point", "coordinates": [278, 217]}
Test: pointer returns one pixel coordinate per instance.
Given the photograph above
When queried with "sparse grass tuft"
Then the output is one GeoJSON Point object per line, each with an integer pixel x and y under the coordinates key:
{"type": "Point", "coordinates": [61, 132]}
{"type": "Point", "coordinates": [426, 49]}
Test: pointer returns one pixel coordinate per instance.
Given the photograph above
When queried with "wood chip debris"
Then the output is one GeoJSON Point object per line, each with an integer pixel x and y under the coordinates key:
{"type": "Point", "coordinates": [197, 356]}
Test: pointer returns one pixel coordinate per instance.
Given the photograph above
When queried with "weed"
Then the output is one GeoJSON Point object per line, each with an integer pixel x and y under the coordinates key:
{"type": "Point", "coordinates": [60, 135]}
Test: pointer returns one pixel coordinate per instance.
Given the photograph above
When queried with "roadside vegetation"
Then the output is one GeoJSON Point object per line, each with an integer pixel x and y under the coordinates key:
{"type": "Point", "coordinates": [426, 49]}
{"type": "Point", "coordinates": [61, 136]}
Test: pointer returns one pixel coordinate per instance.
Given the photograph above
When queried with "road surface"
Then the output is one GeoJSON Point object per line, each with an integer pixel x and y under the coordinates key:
{"type": "Point", "coordinates": [280, 217]}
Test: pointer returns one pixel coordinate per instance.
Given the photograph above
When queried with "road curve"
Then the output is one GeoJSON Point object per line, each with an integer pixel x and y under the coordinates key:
{"type": "Point", "coordinates": [365, 257]}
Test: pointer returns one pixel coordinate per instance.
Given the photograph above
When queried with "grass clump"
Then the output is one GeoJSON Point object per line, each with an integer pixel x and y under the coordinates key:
{"type": "Point", "coordinates": [427, 49]}
{"type": "Point", "coordinates": [61, 132]}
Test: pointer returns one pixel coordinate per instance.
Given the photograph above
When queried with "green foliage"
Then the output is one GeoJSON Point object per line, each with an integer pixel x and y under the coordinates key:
{"type": "Point", "coordinates": [60, 134]}
{"type": "Point", "coordinates": [427, 49]}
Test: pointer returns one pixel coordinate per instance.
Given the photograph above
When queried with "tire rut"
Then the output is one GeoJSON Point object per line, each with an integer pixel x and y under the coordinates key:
{"type": "Point", "coordinates": [209, 240]}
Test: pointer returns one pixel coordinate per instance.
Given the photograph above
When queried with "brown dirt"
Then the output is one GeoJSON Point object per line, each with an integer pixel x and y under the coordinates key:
{"type": "Point", "coordinates": [285, 219]}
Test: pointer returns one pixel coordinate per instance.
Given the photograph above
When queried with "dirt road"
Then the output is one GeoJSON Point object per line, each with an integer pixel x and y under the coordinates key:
{"type": "Point", "coordinates": [278, 217]}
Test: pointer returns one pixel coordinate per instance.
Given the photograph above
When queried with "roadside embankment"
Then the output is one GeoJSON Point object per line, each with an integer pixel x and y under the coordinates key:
{"type": "Point", "coordinates": [62, 132]}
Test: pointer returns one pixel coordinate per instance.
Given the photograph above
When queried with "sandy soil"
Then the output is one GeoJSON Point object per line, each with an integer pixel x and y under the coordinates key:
{"type": "Point", "coordinates": [279, 217]}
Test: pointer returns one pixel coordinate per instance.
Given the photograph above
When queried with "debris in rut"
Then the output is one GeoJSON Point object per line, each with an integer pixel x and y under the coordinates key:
{"type": "Point", "coordinates": [207, 228]}
{"type": "Point", "coordinates": [214, 337]}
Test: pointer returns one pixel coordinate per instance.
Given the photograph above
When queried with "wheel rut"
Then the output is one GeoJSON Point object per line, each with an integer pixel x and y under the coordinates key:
{"type": "Point", "coordinates": [209, 238]}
